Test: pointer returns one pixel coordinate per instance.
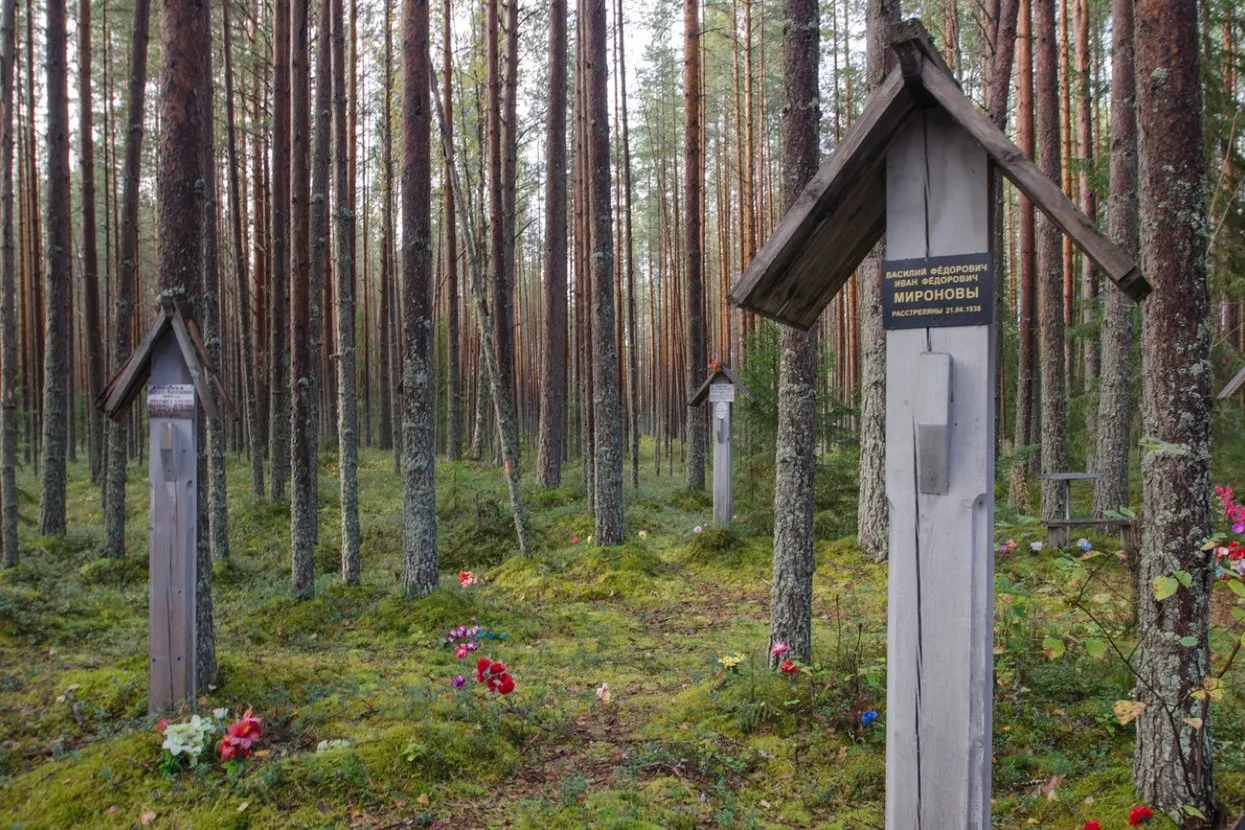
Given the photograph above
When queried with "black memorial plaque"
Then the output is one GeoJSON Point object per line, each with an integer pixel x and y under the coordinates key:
{"type": "Point", "coordinates": [938, 291]}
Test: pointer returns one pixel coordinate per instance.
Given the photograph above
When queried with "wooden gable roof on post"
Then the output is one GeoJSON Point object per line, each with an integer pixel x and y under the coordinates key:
{"type": "Point", "coordinates": [841, 214]}
{"type": "Point", "coordinates": [698, 397]}
{"type": "Point", "coordinates": [1236, 383]}
{"type": "Point", "coordinates": [116, 397]}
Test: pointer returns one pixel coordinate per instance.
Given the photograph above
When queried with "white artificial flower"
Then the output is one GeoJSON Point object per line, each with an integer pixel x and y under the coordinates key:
{"type": "Point", "coordinates": [220, 714]}
{"type": "Point", "coordinates": [1035, 546]}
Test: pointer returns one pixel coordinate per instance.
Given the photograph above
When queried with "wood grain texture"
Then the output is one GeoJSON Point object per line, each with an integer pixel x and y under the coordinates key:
{"type": "Point", "coordinates": [173, 472]}
{"type": "Point", "coordinates": [940, 619]}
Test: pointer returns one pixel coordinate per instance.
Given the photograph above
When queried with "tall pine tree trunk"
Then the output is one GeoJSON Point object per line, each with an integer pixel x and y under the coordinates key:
{"type": "Point", "coordinates": [553, 388]}
{"type": "Point", "coordinates": [127, 277]}
{"type": "Point", "coordinates": [385, 426]}
{"type": "Point", "coordinates": [96, 339]}
{"type": "Point", "coordinates": [695, 365]}
{"type": "Point", "coordinates": [279, 334]}
{"type": "Point", "coordinates": [507, 424]}
{"type": "Point", "coordinates": [8, 293]}
{"type": "Point", "coordinates": [1172, 759]}
{"type": "Point", "coordinates": [242, 284]}
{"type": "Point", "coordinates": [1050, 267]}
{"type": "Point", "coordinates": [1115, 407]}
{"type": "Point", "coordinates": [791, 594]}
{"type": "Point", "coordinates": [184, 46]}
{"type": "Point", "coordinates": [347, 405]}
{"type": "Point", "coordinates": [302, 428]}
{"type": "Point", "coordinates": [871, 511]}
{"type": "Point", "coordinates": [606, 403]}
{"type": "Point", "coordinates": [57, 330]}
{"type": "Point", "coordinates": [453, 371]}
{"type": "Point", "coordinates": [419, 412]}
{"type": "Point", "coordinates": [1023, 435]}
{"type": "Point", "coordinates": [210, 317]}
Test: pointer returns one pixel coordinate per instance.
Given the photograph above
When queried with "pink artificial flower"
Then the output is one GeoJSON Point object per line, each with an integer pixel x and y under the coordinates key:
{"type": "Point", "coordinates": [462, 651]}
{"type": "Point", "coordinates": [1011, 544]}
{"type": "Point", "coordinates": [466, 578]}
{"type": "Point", "coordinates": [162, 725]}
{"type": "Point", "coordinates": [779, 649]}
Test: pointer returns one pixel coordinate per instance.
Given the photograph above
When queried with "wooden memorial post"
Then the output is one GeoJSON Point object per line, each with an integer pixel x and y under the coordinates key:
{"type": "Point", "coordinates": [173, 361]}
{"type": "Point", "coordinates": [720, 388]}
{"type": "Point", "coordinates": [922, 143]}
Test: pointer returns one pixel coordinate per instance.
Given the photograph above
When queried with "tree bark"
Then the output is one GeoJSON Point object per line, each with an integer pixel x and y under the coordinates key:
{"type": "Point", "coordinates": [507, 426]}
{"type": "Point", "coordinates": [553, 388]}
{"type": "Point", "coordinates": [872, 518]}
{"type": "Point", "coordinates": [302, 429]}
{"type": "Point", "coordinates": [249, 381]}
{"type": "Point", "coordinates": [453, 369]}
{"type": "Point", "coordinates": [1172, 760]}
{"type": "Point", "coordinates": [347, 405]}
{"type": "Point", "coordinates": [1115, 408]}
{"type": "Point", "coordinates": [384, 347]}
{"type": "Point", "coordinates": [320, 326]}
{"type": "Point", "coordinates": [1089, 206]}
{"type": "Point", "coordinates": [607, 415]}
{"type": "Point", "coordinates": [184, 46]}
{"type": "Point", "coordinates": [127, 277]}
{"type": "Point", "coordinates": [633, 407]}
{"type": "Point", "coordinates": [279, 344]}
{"type": "Point", "coordinates": [419, 505]}
{"type": "Point", "coordinates": [791, 595]}
{"type": "Point", "coordinates": [8, 293]}
{"type": "Point", "coordinates": [57, 329]}
{"type": "Point", "coordinates": [218, 502]}
{"type": "Point", "coordinates": [696, 363]}
{"type": "Point", "coordinates": [96, 338]}
{"type": "Point", "coordinates": [1050, 268]}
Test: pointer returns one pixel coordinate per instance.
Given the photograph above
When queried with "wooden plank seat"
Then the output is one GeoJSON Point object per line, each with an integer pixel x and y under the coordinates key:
{"type": "Point", "coordinates": [1059, 531]}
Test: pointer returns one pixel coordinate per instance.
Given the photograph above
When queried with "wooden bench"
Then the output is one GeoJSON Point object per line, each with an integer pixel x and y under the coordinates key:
{"type": "Point", "coordinates": [1059, 531]}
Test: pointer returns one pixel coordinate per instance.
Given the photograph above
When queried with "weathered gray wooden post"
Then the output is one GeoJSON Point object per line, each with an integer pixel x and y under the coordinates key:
{"type": "Point", "coordinates": [175, 364]}
{"type": "Point", "coordinates": [921, 142]}
{"type": "Point", "coordinates": [719, 388]}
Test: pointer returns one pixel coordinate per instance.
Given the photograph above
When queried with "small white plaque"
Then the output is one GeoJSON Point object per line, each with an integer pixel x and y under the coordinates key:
{"type": "Point", "coordinates": [721, 409]}
{"type": "Point", "coordinates": [173, 400]}
{"type": "Point", "coordinates": [722, 392]}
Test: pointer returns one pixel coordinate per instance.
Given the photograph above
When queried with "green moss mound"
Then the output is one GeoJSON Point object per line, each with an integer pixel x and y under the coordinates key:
{"type": "Point", "coordinates": [692, 501]}
{"type": "Point", "coordinates": [629, 571]}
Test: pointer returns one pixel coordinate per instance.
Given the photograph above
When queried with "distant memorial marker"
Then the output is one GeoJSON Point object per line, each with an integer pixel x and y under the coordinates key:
{"type": "Point", "coordinates": [173, 359]}
{"type": "Point", "coordinates": [719, 388]}
{"type": "Point", "coordinates": [922, 143]}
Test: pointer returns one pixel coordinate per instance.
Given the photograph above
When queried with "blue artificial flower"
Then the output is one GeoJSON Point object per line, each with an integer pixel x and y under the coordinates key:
{"type": "Point", "coordinates": [868, 717]}
{"type": "Point", "coordinates": [1084, 545]}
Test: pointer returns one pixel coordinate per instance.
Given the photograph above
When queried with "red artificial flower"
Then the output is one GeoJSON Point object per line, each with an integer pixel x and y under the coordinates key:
{"type": "Point", "coordinates": [466, 578]}
{"type": "Point", "coordinates": [788, 666]}
{"type": "Point", "coordinates": [1139, 815]}
{"type": "Point", "coordinates": [238, 737]}
{"type": "Point", "coordinates": [506, 684]}
{"type": "Point", "coordinates": [497, 668]}
{"type": "Point", "coordinates": [482, 666]}
{"type": "Point", "coordinates": [162, 725]}
{"type": "Point", "coordinates": [1093, 824]}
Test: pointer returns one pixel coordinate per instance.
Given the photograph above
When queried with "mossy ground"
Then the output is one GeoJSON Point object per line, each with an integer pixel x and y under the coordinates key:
{"type": "Point", "coordinates": [684, 741]}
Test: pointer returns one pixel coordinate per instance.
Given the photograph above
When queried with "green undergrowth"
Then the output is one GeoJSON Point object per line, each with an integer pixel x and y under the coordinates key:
{"type": "Point", "coordinates": [697, 731]}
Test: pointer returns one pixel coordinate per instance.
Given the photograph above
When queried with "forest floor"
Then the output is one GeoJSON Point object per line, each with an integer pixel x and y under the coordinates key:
{"type": "Point", "coordinates": [684, 741]}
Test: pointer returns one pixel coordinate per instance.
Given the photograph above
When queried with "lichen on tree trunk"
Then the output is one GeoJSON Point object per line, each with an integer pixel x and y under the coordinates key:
{"type": "Point", "coordinates": [419, 504]}
{"type": "Point", "coordinates": [791, 593]}
{"type": "Point", "coordinates": [1172, 764]}
{"type": "Point", "coordinates": [1115, 407]}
